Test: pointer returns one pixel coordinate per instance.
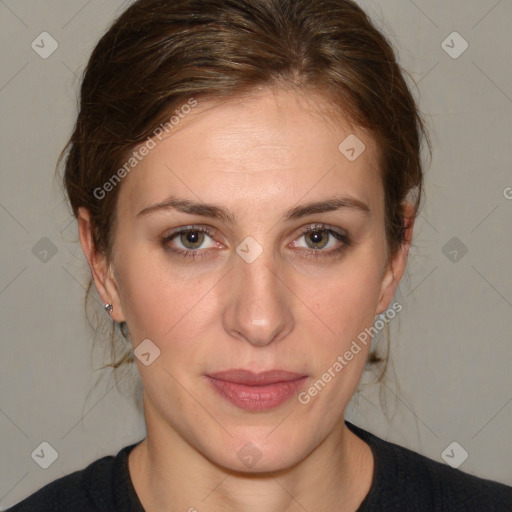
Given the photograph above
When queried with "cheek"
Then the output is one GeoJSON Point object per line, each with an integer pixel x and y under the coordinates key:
{"type": "Point", "coordinates": [346, 301]}
{"type": "Point", "coordinates": [162, 302]}
{"type": "Point", "coordinates": [347, 305]}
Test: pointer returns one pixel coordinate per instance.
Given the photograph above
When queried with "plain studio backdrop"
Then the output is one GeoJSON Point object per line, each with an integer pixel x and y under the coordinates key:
{"type": "Point", "coordinates": [451, 345]}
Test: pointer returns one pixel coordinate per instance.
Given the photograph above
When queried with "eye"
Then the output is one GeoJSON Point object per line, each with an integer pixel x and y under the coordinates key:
{"type": "Point", "coordinates": [322, 240]}
{"type": "Point", "coordinates": [186, 241]}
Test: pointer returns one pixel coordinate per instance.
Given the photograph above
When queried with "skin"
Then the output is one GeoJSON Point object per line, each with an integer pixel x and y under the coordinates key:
{"type": "Point", "coordinates": [259, 156]}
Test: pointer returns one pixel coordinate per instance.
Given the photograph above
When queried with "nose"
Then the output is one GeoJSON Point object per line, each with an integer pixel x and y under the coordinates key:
{"type": "Point", "coordinates": [258, 305]}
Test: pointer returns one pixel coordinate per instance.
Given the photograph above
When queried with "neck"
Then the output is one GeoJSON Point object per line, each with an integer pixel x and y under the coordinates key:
{"type": "Point", "coordinates": [170, 474]}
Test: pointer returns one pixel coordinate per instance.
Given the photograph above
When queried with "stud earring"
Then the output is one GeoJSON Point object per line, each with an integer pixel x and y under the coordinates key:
{"type": "Point", "coordinates": [108, 308]}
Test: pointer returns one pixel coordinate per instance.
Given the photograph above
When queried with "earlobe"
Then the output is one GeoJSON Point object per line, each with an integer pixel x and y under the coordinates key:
{"type": "Point", "coordinates": [100, 269]}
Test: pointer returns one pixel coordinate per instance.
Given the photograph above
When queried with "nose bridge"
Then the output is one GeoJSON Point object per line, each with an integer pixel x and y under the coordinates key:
{"type": "Point", "coordinates": [259, 306]}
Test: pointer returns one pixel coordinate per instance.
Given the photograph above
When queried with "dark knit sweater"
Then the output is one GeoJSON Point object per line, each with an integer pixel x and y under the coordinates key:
{"type": "Point", "coordinates": [402, 481]}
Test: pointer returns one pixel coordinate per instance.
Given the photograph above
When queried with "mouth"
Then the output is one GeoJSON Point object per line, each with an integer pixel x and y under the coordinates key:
{"type": "Point", "coordinates": [256, 391]}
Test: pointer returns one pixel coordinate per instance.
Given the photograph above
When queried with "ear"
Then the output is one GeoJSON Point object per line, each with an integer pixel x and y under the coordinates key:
{"type": "Point", "coordinates": [395, 267]}
{"type": "Point", "coordinates": [102, 272]}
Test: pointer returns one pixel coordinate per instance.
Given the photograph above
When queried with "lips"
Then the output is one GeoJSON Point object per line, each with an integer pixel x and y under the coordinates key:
{"type": "Point", "coordinates": [248, 378]}
{"type": "Point", "coordinates": [256, 391]}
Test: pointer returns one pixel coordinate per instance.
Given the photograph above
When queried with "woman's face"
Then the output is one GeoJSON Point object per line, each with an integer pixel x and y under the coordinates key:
{"type": "Point", "coordinates": [254, 292]}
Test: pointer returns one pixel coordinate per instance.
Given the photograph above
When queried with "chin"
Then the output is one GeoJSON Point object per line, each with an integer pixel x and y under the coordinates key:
{"type": "Point", "coordinates": [259, 452]}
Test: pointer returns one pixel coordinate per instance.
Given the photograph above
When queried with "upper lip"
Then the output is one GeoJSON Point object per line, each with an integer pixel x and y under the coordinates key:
{"type": "Point", "coordinates": [247, 377]}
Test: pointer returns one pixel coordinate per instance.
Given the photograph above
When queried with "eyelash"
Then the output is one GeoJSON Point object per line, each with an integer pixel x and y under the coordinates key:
{"type": "Point", "coordinates": [312, 253]}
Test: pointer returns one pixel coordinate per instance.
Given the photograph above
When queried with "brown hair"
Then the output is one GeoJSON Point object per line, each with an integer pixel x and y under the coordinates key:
{"type": "Point", "coordinates": [160, 53]}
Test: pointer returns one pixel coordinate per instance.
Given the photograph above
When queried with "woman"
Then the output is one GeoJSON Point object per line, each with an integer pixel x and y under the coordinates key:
{"type": "Point", "coordinates": [246, 175]}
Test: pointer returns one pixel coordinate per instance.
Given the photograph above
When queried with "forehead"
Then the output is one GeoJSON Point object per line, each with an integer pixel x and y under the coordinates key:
{"type": "Point", "coordinates": [262, 149]}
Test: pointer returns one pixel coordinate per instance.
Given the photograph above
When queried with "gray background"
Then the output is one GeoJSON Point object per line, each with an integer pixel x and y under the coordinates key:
{"type": "Point", "coordinates": [451, 344]}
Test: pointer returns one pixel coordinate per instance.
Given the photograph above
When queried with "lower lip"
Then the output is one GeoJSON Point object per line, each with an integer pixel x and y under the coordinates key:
{"type": "Point", "coordinates": [257, 398]}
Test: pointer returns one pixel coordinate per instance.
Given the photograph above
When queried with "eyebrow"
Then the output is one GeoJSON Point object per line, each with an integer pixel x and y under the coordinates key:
{"type": "Point", "coordinates": [223, 214]}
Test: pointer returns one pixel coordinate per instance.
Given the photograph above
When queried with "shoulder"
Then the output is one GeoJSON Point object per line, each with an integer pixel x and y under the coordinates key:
{"type": "Point", "coordinates": [450, 489]}
{"type": "Point", "coordinates": [406, 480]}
{"type": "Point", "coordinates": [89, 489]}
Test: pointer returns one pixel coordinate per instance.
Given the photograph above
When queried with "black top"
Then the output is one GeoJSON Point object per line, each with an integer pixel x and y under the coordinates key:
{"type": "Point", "coordinates": [402, 481]}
